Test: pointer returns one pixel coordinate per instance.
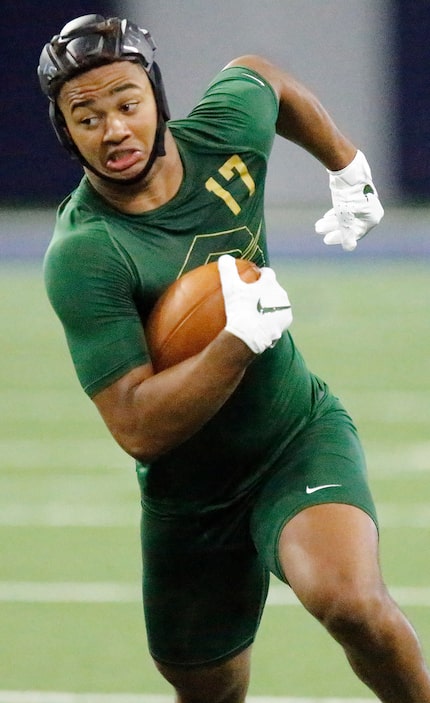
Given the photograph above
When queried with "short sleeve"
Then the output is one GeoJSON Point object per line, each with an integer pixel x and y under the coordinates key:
{"type": "Point", "coordinates": [244, 106]}
{"type": "Point", "coordinates": [90, 286]}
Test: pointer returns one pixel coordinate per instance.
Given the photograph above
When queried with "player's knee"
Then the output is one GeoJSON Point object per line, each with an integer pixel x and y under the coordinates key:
{"type": "Point", "coordinates": [349, 610]}
{"type": "Point", "coordinates": [223, 683]}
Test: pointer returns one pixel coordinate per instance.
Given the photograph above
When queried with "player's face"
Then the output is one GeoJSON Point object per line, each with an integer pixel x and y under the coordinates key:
{"type": "Point", "coordinates": [111, 116]}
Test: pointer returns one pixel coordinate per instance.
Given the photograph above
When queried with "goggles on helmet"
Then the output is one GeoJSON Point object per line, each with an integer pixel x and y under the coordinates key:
{"type": "Point", "coordinates": [90, 41]}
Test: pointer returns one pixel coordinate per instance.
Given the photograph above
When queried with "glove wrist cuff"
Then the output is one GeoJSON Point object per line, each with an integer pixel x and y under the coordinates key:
{"type": "Point", "coordinates": [257, 346]}
{"type": "Point", "coordinates": [358, 171]}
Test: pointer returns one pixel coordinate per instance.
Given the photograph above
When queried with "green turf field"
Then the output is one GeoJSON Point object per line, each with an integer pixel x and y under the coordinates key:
{"type": "Point", "coordinates": [70, 614]}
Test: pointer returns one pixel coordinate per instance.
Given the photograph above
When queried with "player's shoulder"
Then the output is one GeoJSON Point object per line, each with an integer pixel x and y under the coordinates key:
{"type": "Point", "coordinates": [74, 243]}
{"type": "Point", "coordinates": [250, 72]}
{"type": "Point", "coordinates": [80, 246]}
{"type": "Point", "coordinates": [78, 225]}
{"type": "Point", "coordinates": [83, 209]}
{"type": "Point", "coordinates": [238, 107]}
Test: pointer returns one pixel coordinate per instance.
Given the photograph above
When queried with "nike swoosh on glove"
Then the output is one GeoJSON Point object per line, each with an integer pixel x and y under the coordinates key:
{"type": "Point", "coordinates": [356, 205]}
{"type": "Point", "coordinates": [256, 312]}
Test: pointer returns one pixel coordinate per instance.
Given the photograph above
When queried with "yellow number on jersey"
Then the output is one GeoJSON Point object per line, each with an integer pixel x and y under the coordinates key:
{"type": "Point", "coordinates": [234, 163]}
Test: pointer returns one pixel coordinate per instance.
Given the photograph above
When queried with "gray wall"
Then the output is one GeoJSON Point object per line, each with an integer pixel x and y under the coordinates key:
{"type": "Point", "coordinates": [340, 48]}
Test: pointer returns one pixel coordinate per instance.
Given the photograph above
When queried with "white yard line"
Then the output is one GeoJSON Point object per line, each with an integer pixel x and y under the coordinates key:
{"type": "Point", "coordinates": [113, 592]}
{"type": "Point", "coordinates": [65, 697]}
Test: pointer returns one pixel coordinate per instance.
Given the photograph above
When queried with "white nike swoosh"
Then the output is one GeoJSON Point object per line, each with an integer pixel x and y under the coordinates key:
{"type": "Point", "coordinates": [320, 488]}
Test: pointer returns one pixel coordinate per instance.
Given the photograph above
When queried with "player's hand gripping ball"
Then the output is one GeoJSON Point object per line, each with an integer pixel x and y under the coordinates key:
{"type": "Point", "coordinates": [190, 314]}
{"type": "Point", "coordinates": [256, 312]}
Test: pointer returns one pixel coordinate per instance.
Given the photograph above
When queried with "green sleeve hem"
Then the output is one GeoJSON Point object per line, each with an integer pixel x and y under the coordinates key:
{"type": "Point", "coordinates": [91, 389]}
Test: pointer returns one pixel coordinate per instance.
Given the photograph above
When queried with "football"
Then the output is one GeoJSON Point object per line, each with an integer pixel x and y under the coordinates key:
{"type": "Point", "coordinates": [190, 314]}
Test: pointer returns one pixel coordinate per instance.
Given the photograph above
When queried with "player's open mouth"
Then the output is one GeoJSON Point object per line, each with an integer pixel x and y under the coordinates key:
{"type": "Point", "coordinates": [123, 159]}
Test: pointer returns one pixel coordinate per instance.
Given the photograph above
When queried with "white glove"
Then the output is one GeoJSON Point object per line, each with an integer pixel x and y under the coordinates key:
{"type": "Point", "coordinates": [356, 206]}
{"type": "Point", "coordinates": [256, 312]}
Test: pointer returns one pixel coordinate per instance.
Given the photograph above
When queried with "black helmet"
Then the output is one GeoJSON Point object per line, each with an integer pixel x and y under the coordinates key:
{"type": "Point", "coordinates": [91, 41]}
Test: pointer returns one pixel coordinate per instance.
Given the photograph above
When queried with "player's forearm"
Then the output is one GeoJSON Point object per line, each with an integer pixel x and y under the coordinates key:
{"type": "Point", "coordinates": [152, 416]}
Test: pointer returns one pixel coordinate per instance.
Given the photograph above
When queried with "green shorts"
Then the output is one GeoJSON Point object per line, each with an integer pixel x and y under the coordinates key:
{"type": "Point", "coordinates": [206, 576]}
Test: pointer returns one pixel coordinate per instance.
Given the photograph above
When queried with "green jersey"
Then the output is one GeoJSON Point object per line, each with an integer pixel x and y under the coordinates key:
{"type": "Point", "coordinates": [105, 269]}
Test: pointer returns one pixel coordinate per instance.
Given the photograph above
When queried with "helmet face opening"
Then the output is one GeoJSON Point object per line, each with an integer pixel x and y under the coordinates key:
{"type": "Point", "coordinates": [89, 42]}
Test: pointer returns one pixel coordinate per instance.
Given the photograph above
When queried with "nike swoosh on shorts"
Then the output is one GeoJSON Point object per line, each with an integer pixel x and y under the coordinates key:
{"type": "Point", "coordinates": [320, 488]}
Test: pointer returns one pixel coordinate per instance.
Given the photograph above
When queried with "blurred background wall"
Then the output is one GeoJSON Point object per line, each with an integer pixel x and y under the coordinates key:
{"type": "Point", "coordinates": [368, 62]}
{"type": "Point", "coordinates": [340, 49]}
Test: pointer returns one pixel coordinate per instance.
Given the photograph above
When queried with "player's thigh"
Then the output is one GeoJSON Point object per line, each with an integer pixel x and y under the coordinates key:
{"type": "Point", "coordinates": [324, 465]}
{"type": "Point", "coordinates": [204, 587]}
{"type": "Point", "coordinates": [329, 555]}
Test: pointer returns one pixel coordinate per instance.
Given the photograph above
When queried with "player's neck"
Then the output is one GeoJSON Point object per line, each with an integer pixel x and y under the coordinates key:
{"type": "Point", "coordinates": [160, 186]}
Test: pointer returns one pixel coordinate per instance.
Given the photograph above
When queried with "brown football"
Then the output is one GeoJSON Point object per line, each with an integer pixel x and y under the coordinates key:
{"type": "Point", "coordinates": [190, 314]}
